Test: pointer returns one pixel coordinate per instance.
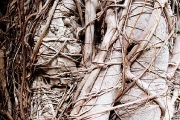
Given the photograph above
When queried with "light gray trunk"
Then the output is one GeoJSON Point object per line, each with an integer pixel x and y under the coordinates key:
{"type": "Point", "coordinates": [51, 89]}
{"type": "Point", "coordinates": [154, 77]}
{"type": "Point", "coordinates": [102, 82]}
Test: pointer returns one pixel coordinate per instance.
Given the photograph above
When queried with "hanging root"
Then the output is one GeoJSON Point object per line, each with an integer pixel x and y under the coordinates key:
{"type": "Point", "coordinates": [175, 60]}
{"type": "Point", "coordinates": [90, 15]}
{"type": "Point", "coordinates": [146, 35]}
{"type": "Point", "coordinates": [144, 85]}
{"type": "Point", "coordinates": [90, 79]}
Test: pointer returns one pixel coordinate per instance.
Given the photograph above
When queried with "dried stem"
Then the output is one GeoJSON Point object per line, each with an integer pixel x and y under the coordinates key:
{"type": "Point", "coordinates": [143, 100]}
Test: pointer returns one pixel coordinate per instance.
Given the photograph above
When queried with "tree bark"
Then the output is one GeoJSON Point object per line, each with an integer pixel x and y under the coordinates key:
{"type": "Point", "coordinates": [91, 59]}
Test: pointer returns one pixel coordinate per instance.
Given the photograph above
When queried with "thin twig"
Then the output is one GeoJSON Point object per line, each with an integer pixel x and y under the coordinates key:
{"type": "Point", "coordinates": [118, 106]}
{"type": "Point", "coordinates": [143, 85]}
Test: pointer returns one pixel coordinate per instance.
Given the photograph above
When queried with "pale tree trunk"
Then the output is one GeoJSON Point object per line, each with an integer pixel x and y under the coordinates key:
{"type": "Point", "coordinates": [149, 27]}
{"type": "Point", "coordinates": [146, 33]}
{"type": "Point", "coordinates": [91, 59]}
{"type": "Point", "coordinates": [57, 54]}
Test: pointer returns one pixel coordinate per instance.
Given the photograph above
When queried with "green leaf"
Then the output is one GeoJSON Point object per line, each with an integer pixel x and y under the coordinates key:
{"type": "Point", "coordinates": [176, 30]}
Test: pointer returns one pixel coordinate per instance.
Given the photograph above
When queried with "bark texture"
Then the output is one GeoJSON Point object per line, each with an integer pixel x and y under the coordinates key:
{"type": "Point", "coordinates": [154, 77]}
{"type": "Point", "coordinates": [59, 53]}
{"type": "Point", "coordinates": [90, 59]}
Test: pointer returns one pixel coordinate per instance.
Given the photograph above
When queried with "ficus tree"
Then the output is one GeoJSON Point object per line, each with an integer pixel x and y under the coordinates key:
{"type": "Point", "coordinates": [89, 59]}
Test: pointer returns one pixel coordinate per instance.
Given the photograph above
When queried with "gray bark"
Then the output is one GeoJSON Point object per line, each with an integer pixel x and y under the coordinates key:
{"type": "Point", "coordinates": [145, 30]}
{"type": "Point", "coordinates": [154, 77]}
{"type": "Point", "coordinates": [51, 89]}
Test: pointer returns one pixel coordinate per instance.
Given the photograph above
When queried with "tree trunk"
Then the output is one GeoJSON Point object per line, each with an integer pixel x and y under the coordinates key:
{"type": "Point", "coordinates": [91, 59]}
{"type": "Point", "coordinates": [58, 54]}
